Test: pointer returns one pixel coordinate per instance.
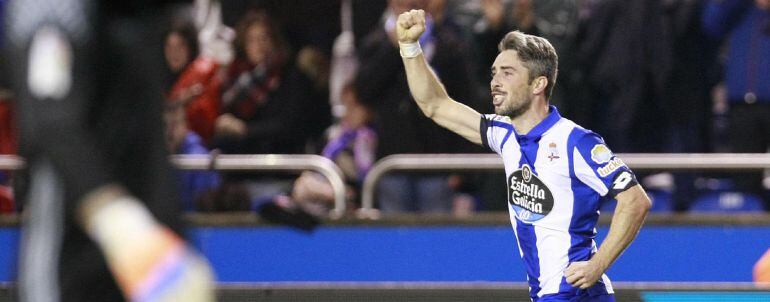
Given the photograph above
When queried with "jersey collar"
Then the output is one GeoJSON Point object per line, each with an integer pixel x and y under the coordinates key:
{"type": "Point", "coordinates": [544, 125]}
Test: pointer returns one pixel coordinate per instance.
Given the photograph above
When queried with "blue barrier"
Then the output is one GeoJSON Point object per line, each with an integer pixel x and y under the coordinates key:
{"type": "Point", "coordinates": [704, 297]}
{"type": "Point", "coordinates": [9, 249]}
{"type": "Point", "coordinates": [686, 253]}
{"type": "Point", "coordinates": [432, 253]}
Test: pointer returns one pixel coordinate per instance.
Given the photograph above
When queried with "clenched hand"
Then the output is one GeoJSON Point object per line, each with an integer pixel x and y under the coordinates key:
{"type": "Point", "coordinates": [410, 26]}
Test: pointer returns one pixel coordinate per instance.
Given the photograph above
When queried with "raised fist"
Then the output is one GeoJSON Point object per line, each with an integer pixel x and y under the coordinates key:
{"type": "Point", "coordinates": [410, 26]}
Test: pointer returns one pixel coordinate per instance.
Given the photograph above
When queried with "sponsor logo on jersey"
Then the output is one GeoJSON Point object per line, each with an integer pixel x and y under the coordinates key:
{"type": "Point", "coordinates": [607, 169]}
{"type": "Point", "coordinates": [529, 197]}
{"type": "Point", "coordinates": [600, 154]}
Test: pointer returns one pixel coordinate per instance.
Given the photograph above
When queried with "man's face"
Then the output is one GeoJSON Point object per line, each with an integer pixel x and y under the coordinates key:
{"type": "Point", "coordinates": [177, 52]}
{"type": "Point", "coordinates": [510, 85]}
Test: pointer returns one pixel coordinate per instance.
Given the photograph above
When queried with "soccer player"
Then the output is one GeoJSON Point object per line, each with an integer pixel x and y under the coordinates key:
{"type": "Point", "coordinates": [101, 221]}
{"type": "Point", "coordinates": [557, 172]}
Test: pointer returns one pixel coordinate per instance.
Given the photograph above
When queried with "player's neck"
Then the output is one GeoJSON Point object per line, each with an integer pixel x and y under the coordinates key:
{"type": "Point", "coordinates": [530, 118]}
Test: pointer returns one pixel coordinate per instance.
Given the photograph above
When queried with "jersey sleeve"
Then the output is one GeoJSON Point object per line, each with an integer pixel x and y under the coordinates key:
{"type": "Point", "coordinates": [494, 131]}
{"type": "Point", "coordinates": [596, 166]}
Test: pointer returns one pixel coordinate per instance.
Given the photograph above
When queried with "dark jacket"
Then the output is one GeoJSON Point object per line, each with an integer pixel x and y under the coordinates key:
{"type": "Point", "coordinates": [381, 83]}
{"type": "Point", "coordinates": [748, 47]}
{"type": "Point", "coordinates": [275, 109]}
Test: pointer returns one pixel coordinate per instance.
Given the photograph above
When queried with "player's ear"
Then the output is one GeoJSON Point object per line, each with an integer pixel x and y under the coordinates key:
{"type": "Point", "coordinates": [539, 85]}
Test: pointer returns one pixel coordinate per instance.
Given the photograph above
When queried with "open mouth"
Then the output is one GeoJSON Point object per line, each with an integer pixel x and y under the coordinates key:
{"type": "Point", "coordinates": [498, 98]}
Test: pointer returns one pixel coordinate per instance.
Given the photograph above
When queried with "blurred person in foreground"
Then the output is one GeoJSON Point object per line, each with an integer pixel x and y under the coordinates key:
{"type": "Point", "coordinates": [746, 76]}
{"type": "Point", "coordinates": [102, 220]}
{"type": "Point", "coordinates": [558, 172]}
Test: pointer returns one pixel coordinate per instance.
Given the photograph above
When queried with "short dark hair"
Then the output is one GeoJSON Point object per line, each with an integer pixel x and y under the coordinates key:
{"type": "Point", "coordinates": [536, 53]}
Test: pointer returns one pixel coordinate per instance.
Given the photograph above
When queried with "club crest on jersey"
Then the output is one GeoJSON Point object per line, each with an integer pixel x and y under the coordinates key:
{"type": "Point", "coordinates": [600, 154]}
{"type": "Point", "coordinates": [526, 173]}
{"type": "Point", "coordinates": [528, 196]}
{"type": "Point", "coordinates": [553, 152]}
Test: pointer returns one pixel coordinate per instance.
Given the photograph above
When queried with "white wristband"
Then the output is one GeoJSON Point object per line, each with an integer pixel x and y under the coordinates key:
{"type": "Point", "coordinates": [409, 50]}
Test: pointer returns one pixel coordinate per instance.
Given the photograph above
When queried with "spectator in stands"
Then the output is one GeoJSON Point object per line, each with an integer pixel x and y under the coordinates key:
{"type": "Point", "coordinates": [7, 124]}
{"type": "Point", "coordinates": [497, 20]}
{"type": "Point", "coordinates": [381, 84]}
{"type": "Point", "coordinates": [264, 98]}
{"type": "Point", "coordinates": [443, 16]}
{"type": "Point", "coordinates": [7, 147]}
{"type": "Point", "coordinates": [7, 201]}
{"type": "Point", "coordinates": [7, 131]}
{"type": "Point", "coordinates": [180, 47]}
{"type": "Point", "coordinates": [625, 52]}
{"type": "Point", "coordinates": [194, 80]}
{"type": "Point", "coordinates": [314, 65]}
{"type": "Point", "coordinates": [194, 185]}
{"type": "Point", "coordinates": [747, 23]}
{"type": "Point", "coordinates": [686, 117]}
{"type": "Point", "coordinates": [265, 105]}
{"type": "Point", "coordinates": [351, 145]}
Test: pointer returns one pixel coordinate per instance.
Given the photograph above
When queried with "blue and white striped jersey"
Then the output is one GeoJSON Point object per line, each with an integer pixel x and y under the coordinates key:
{"type": "Point", "coordinates": [558, 174]}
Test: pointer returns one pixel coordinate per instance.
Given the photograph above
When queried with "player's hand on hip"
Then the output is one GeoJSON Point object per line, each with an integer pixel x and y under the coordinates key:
{"type": "Point", "coordinates": [583, 274]}
{"type": "Point", "coordinates": [410, 26]}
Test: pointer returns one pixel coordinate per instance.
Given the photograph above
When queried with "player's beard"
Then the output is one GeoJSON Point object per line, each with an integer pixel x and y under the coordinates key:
{"type": "Point", "coordinates": [515, 109]}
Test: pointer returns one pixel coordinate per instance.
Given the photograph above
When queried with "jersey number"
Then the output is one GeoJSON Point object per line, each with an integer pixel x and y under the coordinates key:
{"type": "Point", "coordinates": [622, 181]}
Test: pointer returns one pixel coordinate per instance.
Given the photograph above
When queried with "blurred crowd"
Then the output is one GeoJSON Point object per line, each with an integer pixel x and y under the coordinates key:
{"type": "Point", "coordinates": [325, 77]}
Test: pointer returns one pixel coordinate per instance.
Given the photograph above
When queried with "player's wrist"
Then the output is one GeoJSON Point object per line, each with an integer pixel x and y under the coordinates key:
{"type": "Point", "coordinates": [599, 263]}
{"type": "Point", "coordinates": [409, 49]}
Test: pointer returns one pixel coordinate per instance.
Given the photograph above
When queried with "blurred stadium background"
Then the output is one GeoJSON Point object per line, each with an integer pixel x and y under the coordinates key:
{"type": "Point", "coordinates": [700, 243]}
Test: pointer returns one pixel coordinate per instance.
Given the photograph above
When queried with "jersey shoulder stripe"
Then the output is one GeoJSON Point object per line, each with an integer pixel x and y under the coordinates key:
{"type": "Point", "coordinates": [495, 130]}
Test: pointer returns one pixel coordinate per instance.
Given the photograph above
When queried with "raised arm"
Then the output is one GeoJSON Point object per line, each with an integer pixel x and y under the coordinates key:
{"type": "Point", "coordinates": [426, 88]}
{"type": "Point", "coordinates": [632, 208]}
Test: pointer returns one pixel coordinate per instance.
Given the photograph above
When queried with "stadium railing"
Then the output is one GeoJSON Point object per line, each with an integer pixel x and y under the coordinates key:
{"type": "Point", "coordinates": [487, 162]}
{"type": "Point", "coordinates": [257, 162]}
{"type": "Point", "coordinates": [430, 162]}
